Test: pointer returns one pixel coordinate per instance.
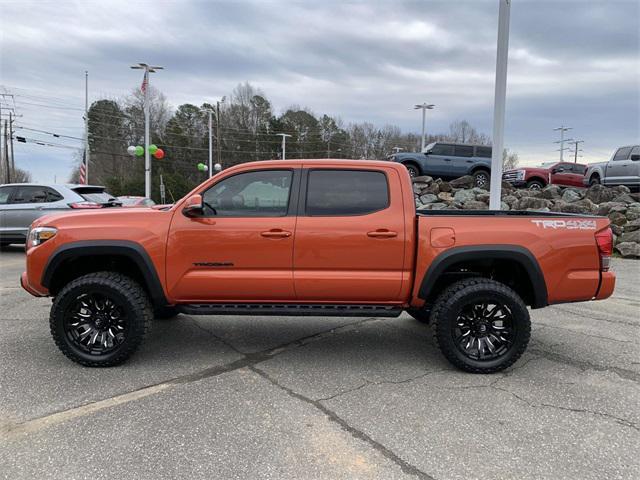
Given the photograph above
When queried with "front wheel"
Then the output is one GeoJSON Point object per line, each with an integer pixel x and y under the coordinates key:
{"type": "Point", "coordinates": [594, 180]}
{"type": "Point", "coordinates": [100, 319]}
{"type": "Point", "coordinates": [535, 185]}
{"type": "Point", "coordinates": [480, 325]}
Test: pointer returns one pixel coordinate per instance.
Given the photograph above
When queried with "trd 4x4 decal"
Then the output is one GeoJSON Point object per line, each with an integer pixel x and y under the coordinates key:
{"type": "Point", "coordinates": [567, 224]}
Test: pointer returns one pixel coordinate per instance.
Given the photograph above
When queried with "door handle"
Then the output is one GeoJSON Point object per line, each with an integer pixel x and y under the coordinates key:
{"type": "Point", "coordinates": [447, 159]}
{"type": "Point", "coordinates": [382, 233]}
{"type": "Point", "coordinates": [276, 233]}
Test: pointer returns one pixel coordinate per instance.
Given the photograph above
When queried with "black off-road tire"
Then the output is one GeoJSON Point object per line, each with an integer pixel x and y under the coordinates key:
{"type": "Point", "coordinates": [594, 180]}
{"type": "Point", "coordinates": [165, 313]}
{"type": "Point", "coordinates": [535, 185]}
{"type": "Point", "coordinates": [420, 314]}
{"type": "Point", "coordinates": [465, 292]}
{"type": "Point", "coordinates": [127, 293]}
{"type": "Point", "coordinates": [413, 169]}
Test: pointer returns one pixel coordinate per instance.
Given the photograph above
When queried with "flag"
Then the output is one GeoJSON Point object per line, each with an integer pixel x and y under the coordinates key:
{"type": "Point", "coordinates": [83, 169]}
{"type": "Point", "coordinates": [145, 82]}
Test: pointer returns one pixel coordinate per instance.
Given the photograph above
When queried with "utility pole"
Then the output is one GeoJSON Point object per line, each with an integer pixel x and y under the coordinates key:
{"type": "Point", "coordinates": [145, 90]}
{"type": "Point", "coordinates": [575, 152]}
{"type": "Point", "coordinates": [218, 131]}
{"type": "Point", "coordinates": [7, 174]}
{"type": "Point", "coordinates": [86, 127]}
{"type": "Point", "coordinates": [284, 143]}
{"type": "Point", "coordinates": [562, 140]}
{"type": "Point", "coordinates": [210, 143]}
{"type": "Point", "coordinates": [500, 99]}
{"type": "Point", "coordinates": [424, 107]}
{"type": "Point", "coordinates": [13, 162]}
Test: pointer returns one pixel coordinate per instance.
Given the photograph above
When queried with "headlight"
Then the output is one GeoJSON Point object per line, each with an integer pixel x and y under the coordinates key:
{"type": "Point", "coordinates": [40, 235]}
{"type": "Point", "coordinates": [519, 174]}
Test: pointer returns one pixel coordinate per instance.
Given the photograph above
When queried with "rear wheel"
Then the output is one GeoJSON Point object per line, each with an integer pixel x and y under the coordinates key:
{"type": "Point", "coordinates": [480, 325]}
{"type": "Point", "coordinates": [594, 180]}
{"type": "Point", "coordinates": [481, 179]}
{"type": "Point", "coordinates": [413, 170]}
{"type": "Point", "coordinates": [535, 185]}
{"type": "Point", "coordinates": [100, 319]}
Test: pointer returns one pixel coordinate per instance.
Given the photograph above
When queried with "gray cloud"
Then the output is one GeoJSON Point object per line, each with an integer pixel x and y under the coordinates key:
{"type": "Point", "coordinates": [572, 62]}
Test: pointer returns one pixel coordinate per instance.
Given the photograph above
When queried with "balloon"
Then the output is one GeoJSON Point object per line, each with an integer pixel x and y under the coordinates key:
{"type": "Point", "coordinates": [159, 153]}
{"type": "Point", "coordinates": [202, 167]}
{"type": "Point", "coordinates": [131, 150]}
{"type": "Point", "coordinates": [153, 149]}
{"type": "Point", "coordinates": [217, 167]}
{"type": "Point", "coordinates": [139, 151]}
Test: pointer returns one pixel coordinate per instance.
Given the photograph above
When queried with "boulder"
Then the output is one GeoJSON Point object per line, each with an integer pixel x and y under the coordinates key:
{"type": "Point", "coordinates": [445, 187]}
{"type": "Point", "coordinates": [617, 230]}
{"type": "Point", "coordinates": [566, 207]}
{"type": "Point", "coordinates": [463, 182]}
{"type": "Point", "coordinates": [532, 203]}
{"type": "Point", "coordinates": [483, 197]}
{"type": "Point", "coordinates": [632, 226]}
{"type": "Point", "coordinates": [601, 194]}
{"type": "Point", "coordinates": [624, 198]}
{"type": "Point", "coordinates": [617, 218]}
{"type": "Point", "coordinates": [551, 192]}
{"type": "Point", "coordinates": [463, 196]}
{"type": "Point", "coordinates": [423, 179]}
{"type": "Point", "coordinates": [428, 198]}
{"type": "Point", "coordinates": [605, 208]}
{"type": "Point", "coordinates": [504, 206]}
{"type": "Point", "coordinates": [633, 213]}
{"type": "Point", "coordinates": [633, 236]}
{"type": "Point", "coordinates": [510, 200]}
{"type": "Point", "coordinates": [545, 209]}
{"type": "Point", "coordinates": [475, 205]}
{"type": "Point", "coordinates": [628, 249]}
{"type": "Point", "coordinates": [445, 196]}
{"type": "Point", "coordinates": [434, 188]}
{"type": "Point", "coordinates": [587, 205]}
{"type": "Point", "coordinates": [570, 195]}
{"type": "Point", "coordinates": [417, 187]}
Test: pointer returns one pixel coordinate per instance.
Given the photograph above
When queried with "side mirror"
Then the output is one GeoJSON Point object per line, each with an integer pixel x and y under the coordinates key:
{"type": "Point", "coordinates": [635, 157]}
{"type": "Point", "coordinates": [193, 206]}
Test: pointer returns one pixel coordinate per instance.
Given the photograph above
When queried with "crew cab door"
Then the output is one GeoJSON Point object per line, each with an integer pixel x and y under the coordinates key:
{"type": "Point", "coordinates": [350, 236]}
{"type": "Point", "coordinates": [618, 170]}
{"type": "Point", "coordinates": [241, 248]}
{"type": "Point", "coordinates": [440, 161]}
{"type": "Point", "coordinates": [567, 174]}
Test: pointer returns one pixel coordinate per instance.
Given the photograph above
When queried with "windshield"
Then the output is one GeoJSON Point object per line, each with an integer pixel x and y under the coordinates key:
{"type": "Point", "coordinates": [546, 164]}
{"type": "Point", "coordinates": [96, 194]}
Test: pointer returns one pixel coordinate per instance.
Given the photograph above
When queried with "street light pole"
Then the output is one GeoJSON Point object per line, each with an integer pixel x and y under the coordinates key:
{"type": "Point", "coordinates": [284, 143]}
{"type": "Point", "coordinates": [86, 127]}
{"type": "Point", "coordinates": [502, 56]}
{"type": "Point", "coordinates": [424, 107]}
{"type": "Point", "coordinates": [210, 144]}
{"type": "Point", "coordinates": [145, 90]}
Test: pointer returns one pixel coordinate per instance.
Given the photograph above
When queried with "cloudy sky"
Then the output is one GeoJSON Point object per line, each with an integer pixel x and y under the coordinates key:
{"type": "Point", "coordinates": [571, 62]}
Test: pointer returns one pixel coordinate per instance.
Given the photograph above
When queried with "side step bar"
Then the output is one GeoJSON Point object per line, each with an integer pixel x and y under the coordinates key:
{"type": "Point", "coordinates": [284, 309]}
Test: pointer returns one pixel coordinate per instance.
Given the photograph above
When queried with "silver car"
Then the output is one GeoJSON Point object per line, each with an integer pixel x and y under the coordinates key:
{"type": "Point", "coordinates": [22, 203]}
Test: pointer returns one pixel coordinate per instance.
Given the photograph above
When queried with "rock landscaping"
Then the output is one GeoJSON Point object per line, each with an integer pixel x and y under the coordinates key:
{"type": "Point", "coordinates": [618, 203]}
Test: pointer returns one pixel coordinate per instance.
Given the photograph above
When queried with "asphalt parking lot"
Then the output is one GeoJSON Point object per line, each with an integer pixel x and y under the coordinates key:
{"type": "Point", "coordinates": [325, 398]}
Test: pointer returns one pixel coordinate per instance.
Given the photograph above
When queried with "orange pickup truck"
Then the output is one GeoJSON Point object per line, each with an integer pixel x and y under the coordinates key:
{"type": "Point", "coordinates": [313, 237]}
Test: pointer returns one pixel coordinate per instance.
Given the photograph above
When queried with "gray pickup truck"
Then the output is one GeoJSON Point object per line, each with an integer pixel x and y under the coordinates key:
{"type": "Point", "coordinates": [449, 160]}
{"type": "Point", "coordinates": [622, 169]}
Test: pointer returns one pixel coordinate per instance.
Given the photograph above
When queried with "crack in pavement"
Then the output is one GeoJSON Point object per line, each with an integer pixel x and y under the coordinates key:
{"type": "Point", "coordinates": [546, 325]}
{"type": "Point", "coordinates": [594, 317]}
{"type": "Point", "coordinates": [8, 430]}
{"type": "Point", "coordinates": [584, 365]}
{"type": "Point", "coordinates": [405, 466]}
{"type": "Point", "coordinates": [382, 382]}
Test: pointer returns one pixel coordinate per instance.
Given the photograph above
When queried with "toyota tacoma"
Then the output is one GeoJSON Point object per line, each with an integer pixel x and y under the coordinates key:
{"type": "Point", "coordinates": [313, 237]}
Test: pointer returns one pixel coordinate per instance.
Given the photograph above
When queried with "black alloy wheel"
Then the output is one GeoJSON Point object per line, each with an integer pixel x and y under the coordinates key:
{"type": "Point", "coordinates": [100, 319]}
{"type": "Point", "coordinates": [482, 179]}
{"type": "Point", "coordinates": [413, 171]}
{"type": "Point", "coordinates": [484, 331]}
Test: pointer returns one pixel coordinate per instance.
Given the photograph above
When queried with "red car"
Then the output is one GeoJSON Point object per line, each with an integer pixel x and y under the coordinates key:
{"type": "Point", "coordinates": [550, 173]}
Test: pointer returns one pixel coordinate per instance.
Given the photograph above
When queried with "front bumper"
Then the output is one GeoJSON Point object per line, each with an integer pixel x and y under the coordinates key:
{"type": "Point", "coordinates": [24, 283]}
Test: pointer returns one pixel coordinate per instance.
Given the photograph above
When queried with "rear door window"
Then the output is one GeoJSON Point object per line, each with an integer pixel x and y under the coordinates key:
{"type": "Point", "coordinates": [484, 152]}
{"type": "Point", "coordinates": [463, 151]}
{"type": "Point", "coordinates": [346, 192]}
{"type": "Point", "coordinates": [30, 194]}
{"type": "Point", "coordinates": [442, 149]}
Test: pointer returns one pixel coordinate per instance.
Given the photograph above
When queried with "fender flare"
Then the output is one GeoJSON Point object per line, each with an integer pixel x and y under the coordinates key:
{"type": "Point", "coordinates": [132, 250]}
{"type": "Point", "coordinates": [515, 253]}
